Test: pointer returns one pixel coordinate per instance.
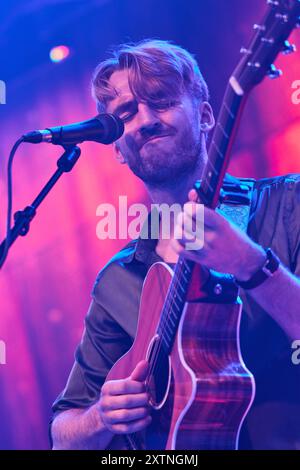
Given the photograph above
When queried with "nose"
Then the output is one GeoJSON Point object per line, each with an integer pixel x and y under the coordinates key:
{"type": "Point", "coordinates": [148, 121]}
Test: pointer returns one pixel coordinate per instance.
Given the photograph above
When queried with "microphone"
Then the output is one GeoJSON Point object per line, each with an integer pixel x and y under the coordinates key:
{"type": "Point", "coordinates": [104, 128]}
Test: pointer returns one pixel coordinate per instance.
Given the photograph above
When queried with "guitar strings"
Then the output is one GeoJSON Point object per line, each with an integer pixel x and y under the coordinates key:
{"type": "Point", "coordinates": [181, 266]}
{"type": "Point", "coordinates": [167, 311]}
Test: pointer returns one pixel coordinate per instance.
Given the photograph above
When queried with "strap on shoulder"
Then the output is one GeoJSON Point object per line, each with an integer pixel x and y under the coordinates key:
{"type": "Point", "coordinates": [235, 200]}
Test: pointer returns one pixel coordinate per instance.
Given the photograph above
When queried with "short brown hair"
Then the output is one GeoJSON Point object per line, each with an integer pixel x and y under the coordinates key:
{"type": "Point", "coordinates": [157, 70]}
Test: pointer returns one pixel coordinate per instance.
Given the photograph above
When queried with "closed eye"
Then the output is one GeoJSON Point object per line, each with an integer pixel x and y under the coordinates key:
{"type": "Point", "coordinates": [126, 111]}
{"type": "Point", "coordinates": [163, 105]}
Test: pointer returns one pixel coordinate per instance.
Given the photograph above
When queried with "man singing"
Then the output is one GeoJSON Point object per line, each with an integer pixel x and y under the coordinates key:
{"type": "Point", "coordinates": [158, 91]}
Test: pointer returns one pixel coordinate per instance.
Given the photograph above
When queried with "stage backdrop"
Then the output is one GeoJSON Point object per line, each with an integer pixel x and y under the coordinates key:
{"type": "Point", "coordinates": [46, 282]}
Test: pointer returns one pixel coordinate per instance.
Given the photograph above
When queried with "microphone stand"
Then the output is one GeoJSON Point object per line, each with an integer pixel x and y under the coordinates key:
{"type": "Point", "coordinates": [23, 218]}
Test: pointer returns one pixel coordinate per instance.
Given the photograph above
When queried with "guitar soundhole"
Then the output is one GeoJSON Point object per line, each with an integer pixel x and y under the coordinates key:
{"type": "Point", "coordinates": [158, 382]}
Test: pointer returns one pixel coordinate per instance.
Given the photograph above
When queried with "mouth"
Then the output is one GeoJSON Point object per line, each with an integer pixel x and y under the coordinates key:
{"type": "Point", "coordinates": [154, 139]}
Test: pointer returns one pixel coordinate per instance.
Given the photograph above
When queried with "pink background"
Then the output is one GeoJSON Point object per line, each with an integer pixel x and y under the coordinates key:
{"type": "Point", "coordinates": [46, 282]}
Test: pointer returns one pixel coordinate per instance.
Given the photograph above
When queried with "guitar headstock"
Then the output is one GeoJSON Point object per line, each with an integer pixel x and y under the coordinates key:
{"type": "Point", "coordinates": [270, 38]}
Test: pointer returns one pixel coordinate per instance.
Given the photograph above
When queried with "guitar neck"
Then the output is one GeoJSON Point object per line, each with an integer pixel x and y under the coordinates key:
{"type": "Point", "coordinates": [220, 147]}
{"type": "Point", "coordinates": [174, 303]}
{"type": "Point", "coordinates": [218, 158]}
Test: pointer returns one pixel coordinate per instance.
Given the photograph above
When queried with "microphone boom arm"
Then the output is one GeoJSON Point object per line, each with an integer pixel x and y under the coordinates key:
{"type": "Point", "coordinates": [23, 218]}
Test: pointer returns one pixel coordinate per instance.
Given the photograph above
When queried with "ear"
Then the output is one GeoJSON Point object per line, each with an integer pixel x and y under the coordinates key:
{"type": "Point", "coordinates": [207, 120]}
{"type": "Point", "coordinates": [118, 154]}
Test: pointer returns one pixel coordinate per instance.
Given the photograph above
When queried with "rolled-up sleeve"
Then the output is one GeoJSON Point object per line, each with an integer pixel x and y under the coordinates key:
{"type": "Point", "coordinates": [103, 342]}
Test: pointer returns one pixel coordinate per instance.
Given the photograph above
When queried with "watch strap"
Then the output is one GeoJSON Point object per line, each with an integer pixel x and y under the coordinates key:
{"type": "Point", "coordinates": [268, 269]}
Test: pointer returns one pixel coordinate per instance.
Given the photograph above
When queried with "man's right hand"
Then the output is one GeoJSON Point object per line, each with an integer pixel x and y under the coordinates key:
{"type": "Point", "coordinates": [124, 404]}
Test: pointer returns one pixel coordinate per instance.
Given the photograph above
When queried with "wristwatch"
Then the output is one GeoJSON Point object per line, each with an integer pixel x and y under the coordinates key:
{"type": "Point", "coordinates": [270, 266]}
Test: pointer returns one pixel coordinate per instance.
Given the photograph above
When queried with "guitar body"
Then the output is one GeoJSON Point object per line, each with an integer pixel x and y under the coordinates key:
{"type": "Point", "coordinates": [201, 392]}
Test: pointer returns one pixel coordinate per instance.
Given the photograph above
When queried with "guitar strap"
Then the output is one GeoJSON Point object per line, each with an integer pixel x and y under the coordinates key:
{"type": "Point", "coordinates": [235, 201]}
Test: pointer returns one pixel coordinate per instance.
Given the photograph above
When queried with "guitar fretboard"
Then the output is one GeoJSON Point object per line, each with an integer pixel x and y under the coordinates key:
{"type": "Point", "coordinates": [219, 149]}
{"type": "Point", "coordinates": [174, 303]}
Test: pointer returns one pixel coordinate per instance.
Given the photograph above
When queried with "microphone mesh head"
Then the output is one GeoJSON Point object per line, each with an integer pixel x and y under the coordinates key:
{"type": "Point", "coordinates": [113, 127]}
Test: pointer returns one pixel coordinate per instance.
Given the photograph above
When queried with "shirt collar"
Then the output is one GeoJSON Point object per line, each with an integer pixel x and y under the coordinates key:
{"type": "Point", "coordinates": [147, 241]}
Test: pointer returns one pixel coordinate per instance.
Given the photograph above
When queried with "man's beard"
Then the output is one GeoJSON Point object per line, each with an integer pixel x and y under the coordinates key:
{"type": "Point", "coordinates": [163, 167]}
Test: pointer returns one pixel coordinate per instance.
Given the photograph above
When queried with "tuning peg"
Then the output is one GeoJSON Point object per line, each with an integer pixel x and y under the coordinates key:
{"type": "Point", "coordinates": [244, 50]}
{"type": "Point", "coordinates": [274, 72]}
{"type": "Point", "coordinates": [288, 48]}
{"type": "Point", "coordinates": [259, 27]}
{"type": "Point", "coordinates": [282, 17]}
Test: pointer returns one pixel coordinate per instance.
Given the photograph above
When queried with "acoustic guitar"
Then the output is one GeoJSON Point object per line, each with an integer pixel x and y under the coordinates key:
{"type": "Point", "coordinates": [188, 327]}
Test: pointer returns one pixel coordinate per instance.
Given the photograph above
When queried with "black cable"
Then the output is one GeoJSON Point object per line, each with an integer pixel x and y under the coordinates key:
{"type": "Point", "coordinates": [9, 199]}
